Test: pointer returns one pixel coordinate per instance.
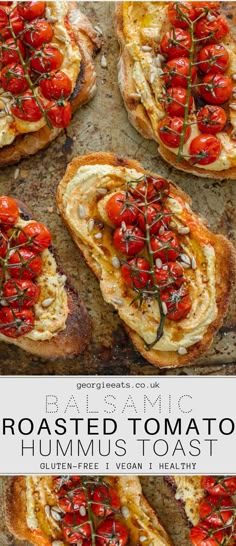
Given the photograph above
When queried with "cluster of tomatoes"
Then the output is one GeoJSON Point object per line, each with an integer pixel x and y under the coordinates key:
{"type": "Point", "coordinates": [142, 223]}
{"type": "Point", "coordinates": [213, 87]}
{"type": "Point", "coordinates": [77, 525]}
{"type": "Point", "coordinates": [20, 264]}
{"type": "Point", "coordinates": [30, 65]}
{"type": "Point", "coordinates": [217, 512]}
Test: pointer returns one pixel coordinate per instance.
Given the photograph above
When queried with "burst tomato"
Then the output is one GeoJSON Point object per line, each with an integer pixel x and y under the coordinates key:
{"type": "Point", "coordinates": [205, 7]}
{"type": "Point", "coordinates": [14, 323]}
{"type": "Point", "coordinates": [171, 273]}
{"type": "Point", "coordinates": [213, 30]}
{"type": "Point", "coordinates": [47, 59]}
{"type": "Point", "coordinates": [152, 189]}
{"type": "Point", "coordinates": [154, 216]}
{"type": "Point", "coordinates": [13, 79]}
{"type": "Point", "coordinates": [211, 119]}
{"type": "Point", "coordinates": [175, 43]}
{"type": "Point", "coordinates": [203, 535]}
{"type": "Point", "coordinates": [59, 113]}
{"type": "Point", "coordinates": [26, 107]}
{"type": "Point", "coordinates": [40, 33]}
{"type": "Point", "coordinates": [178, 12]}
{"type": "Point", "coordinates": [112, 533]}
{"type": "Point", "coordinates": [30, 10]}
{"type": "Point", "coordinates": [213, 59]}
{"type": "Point", "coordinates": [21, 293]}
{"type": "Point", "coordinates": [170, 129]}
{"type": "Point", "coordinates": [120, 208]}
{"type": "Point", "coordinates": [3, 244]}
{"type": "Point", "coordinates": [67, 482]}
{"type": "Point", "coordinates": [24, 264]}
{"type": "Point", "coordinates": [175, 99]}
{"type": "Point", "coordinates": [57, 86]}
{"type": "Point", "coordinates": [219, 486]}
{"type": "Point", "coordinates": [9, 212]}
{"type": "Point", "coordinates": [9, 53]}
{"type": "Point", "coordinates": [136, 273]}
{"type": "Point", "coordinates": [107, 501]}
{"type": "Point", "coordinates": [213, 510]}
{"type": "Point", "coordinates": [177, 71]}
{"type": "Point", "coordinates": [71, 501]}
{"type": "Point", "coordinates": [36, 236]}
{"type": "Point", "coordinates": [128, 240]}
{"type": "Point", "coordinates": [216, 88]}
{"type": "Point", "coordinates": [4, 22]}
{"type": "Point", "coordinates": [178, 302]}
{"type": "Point", "coordinates": [165, 246]}
{"type": "Point", "coordinates": [204, 149]}
{"type": "Point", "coordinates": [75, 528]}
{"type": "Point", "coordinates": [16, 21]}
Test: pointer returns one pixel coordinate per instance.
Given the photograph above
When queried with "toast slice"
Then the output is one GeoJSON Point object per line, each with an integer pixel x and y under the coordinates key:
{"type": "Point", "coordinates": [81, 200]}
{"type": "Point", "coordinates": [89, 43]}
{"type": "Point", "coordinates": [70, 330]}
{"type": "Point", "coordinates": [145, 22]}
{"type": "Point", "coordinates": [39, 528]}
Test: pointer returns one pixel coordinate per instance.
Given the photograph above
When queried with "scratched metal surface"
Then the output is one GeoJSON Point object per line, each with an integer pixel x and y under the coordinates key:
{"type": "Point", "coordinates": [157, 493]}
{"type": "Point", "coordinates": [103, 125]}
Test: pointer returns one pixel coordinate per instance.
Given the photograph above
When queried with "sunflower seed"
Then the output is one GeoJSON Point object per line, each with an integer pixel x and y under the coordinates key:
{"type": "Point", "coordinates": [123, 226]}
{"type": "Point", "coordinates": [142, 538]}
{"type": "Point", "coordinates": [182, 351]}
{"type": "Point", "coordinates": [98, 30]}
{"type": "Point", "coordinates": [146, 48]}
{"type": "Point", "coordinates": [125, 512]}
{"type": "Point", "coordinates": [16, 173]}
{"type": "Point", "coordinates": [232, 106]}
{"type": "Point", "coordinates": [161, 230]}
{"type": "Point", "coordinates": [2, 114]}
{"type": "Point", "coordinates": [81, 211]}
{"type": "Point", "coordinates": [118, 301]}
{"type": "Point", "coordinates": [82, 510]}
{"type": "Point", "coordinates": [210, 17]}
{"type": "Point", "coordinates": [164, 308]}
{"type": "Point", "coordinates": [115, 262]}
{"type": "Point", "coordinates": [158, 263]}
{"type": "Point", "coordinates": [193, 263]}
{"type": "Point", "coordinates": [57, 543]}
{"type": "Point", "coordinates": [234, 77]}
{"type": "Point", "coordinates": [47, 510]}
{"type": "Point", "coordinates": [55, 514]}
{"type": "Point", "coordinates": [102, 191]}
{"type": "Point", "coordinates": [183, 230]}
{"type": "Point", "coordinates": [185, 259]}
{"type": "Point", "coordinates": [90, 225]}
{"type": "Point", "coordinates": [47, 302]}
{"type": "Point", "coordinates": [103, 61]}
{"type": "Point", "coordinates": [63, 279]}
{"type": "Point", "coordinates": [4, 303]}
{"type": "Point", "coordinates": [234, 95]}
{"type": "Point", "coordinates": [234, 89]}
{"type": "Point", "coordinates": [98, 235]}
{"type": "Point", "coordinates": [135, 96]}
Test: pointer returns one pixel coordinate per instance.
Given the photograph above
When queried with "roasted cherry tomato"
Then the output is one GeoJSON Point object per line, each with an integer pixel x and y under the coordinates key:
{"type": "Point", "coordinates": [112, 533]}
{"type": "Point", "coordinates": [219, 486]}
{"type": "Point", "coordinates": [204, 149]}
{"type": "Point", "coordinates": [71, 501]}
{"type": "Point", "coordinates": [217, 88]}
{"type": "Point", "coordinates": [128, 240]}
{"type": "Point", "coordinates": [213, 30]}
{"type": "Point", "coordinates": [67, 482]}
{"type": "Point", "coordinates": [171, 273]}
{"type": "Point", "coordinates": [75, 528]}
{"type": "Point", "coordinates": [47, 59]}
{"type": "Point", "coordinates": [213, 509]}
{"type": "Point", "coordinates": [40, 33]}
{"type": "Point", "coordinates": [16, 21]}
{"type": "Point", "coordinates": [30, 10]}
{"type": "Point", "coordinates": [4, 22]}
{"type": "Point", "coordinates": [107, 501]}
{"type": "Point", "coordinates": [14, 323]}
{"type": "Point", "coordinates": [9, 53]}
{"type": "Point", "coordinates": [26, 107]}
{"type": "Point", "coordinates": [175, 99]}
{"type": "Point", "coordinates": [175, 43]}
{"type": "Point", "coordinates": [154, 216]}
{"type": "Point", "coordinates": [213, 59]}
{"type": "Point", "coordinates": [170, 129]}
{"type": "Point", "coordinates": [20, 293]}
{"type": "Point", "coordinates": [165, 246]}
{"type": "Point", "coordinates": [203, 535]}
{"type": "Point", "coordinates": [59, 113]}
{"type": "Point", "coordinates": [36, 236]}
{"type": "Point", "coordinates": [56, 86]}
{"type": "Point", "coordinates": [153, 189]}
{"type": "Point", "coordinates": [24, 264]}
{"type": "Point", "coordinates": [179, 11]}
{"type": "Point", "coordinates": [9, 212]}
{"type": "Point", "coordinates": [176, 72]}
{"type": "Point", "coordinates": [206, 7]}
{"type": "Point", "coordinates": [120, 208]}
{"type": "Point", "coordinates": [211, 119]}
{"type": "Point", "coordinates": [13, 79]}
{"type": "Point", "coordinates": [177, 301]}
{"type": "Point", "coordinates": [136, 273]}
{"type": "Point", "coordinates": [3, 244]}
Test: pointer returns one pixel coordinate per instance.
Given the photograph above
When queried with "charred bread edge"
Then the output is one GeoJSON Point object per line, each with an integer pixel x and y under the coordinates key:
{"type": "Point", "coordinates": [225, 263]}
{"type": "Point", "coordinates": [137, 114]}
{"type": "Point", "coordinates": [30, 143]}
{"type": "Point", "coordinates": [15, 510]}
{"type": "Point", "coordinates": [170, 482]}
{"type": "Point", "coordinates": [74, 338]}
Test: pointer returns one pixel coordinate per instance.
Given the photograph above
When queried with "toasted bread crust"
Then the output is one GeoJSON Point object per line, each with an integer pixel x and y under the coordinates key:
{"type": "Point", "coordinates": [89, 44]}
{"type": "Point", "coordinates": [225, 264]}
{"type": "Point", "coordinates": [15, 503]}
{"type": "Point", "coordinates": [137, 114]}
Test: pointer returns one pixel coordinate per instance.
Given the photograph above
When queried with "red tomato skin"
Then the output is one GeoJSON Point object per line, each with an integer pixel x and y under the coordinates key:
{"type": "Point", "coordinates": [108, 494]}
{"type": "Point", "coordinates": [13, 79]}
{"type": "Point", "coordinates": [42, 33]}
{"type": "Point", "coordinates": [152, 189]}
{"type": "Point", "coordinates": [16, 22]}
{"type": "Point", "coordinates": [210, 147]}
{"type": "Point", "coordinates": [212, 31]}
{"type": "Point", "coordinates": [218, 84]}
{"type": "Point", "coordinates": [30, 10]}
{"type": "Point", "coordinates": [177, 71]}
{"type": "Point", "coordinates": [71, 503]}
{"type": "Point", "coordinates": [3, 18]}
{"type": "Point", "coordinates": [129, 241]}
{"type": "Point", "coordinates": [181, 49]}
{"type": "Point", "coordinates": [115, 206]}
{"type": "Point", "coordinates": [208, 62]}
{"type": "Point", "coordinates": [3, 244]}
{"type": "Point", "coordinates": [24, 256]}
{"type": "Point", "coordinates": [156, 216]}
{"type": "Point", "coordinates": [112, 527]}
{"type": "Point", "coordinates": [169, 254]}
{"type": "Point", "coordinates": [173, 273]}
{"type": "Point", "coordinates": [12, 289]}
{"type": "Point", "coordinates": [47, 59]}
{"type": "Point", "coordinates": [9, 52]}
{"type": "Point", "coordinates": [59, 114]}
{"type": "Point", "coordinates": [41, 237]}
{"type": "Point", "coordinates": [136, 279]}
{"type": "Point", "coordinates": [65, 482]}
{"type": "Point", "coordinates": [177, 301]}
{"type": "Point", "coordinates": [223, 487]}
{"type": "Point", "coordinates": [7, 315]}
{"type": "Point", "coordinates": [216, 518]}
{"type": "Point", "coordinates": [9, 212]}
{"type": "Point", "coordinates": [58, 86]}
{"type": "Point", "coordinates": [175, 100]}
{"type": "Point", "coordinates": [200, 535]}
{"type": "Point", "coordinates": [169, 124]}
{"type": "Point", "coordinates": [201, 6]}
{"type": "Point", "coordinates": [211, 119]}
{"type": "Point", "coordinates": [175, 18]}
{"type": "Point", "coordinates": [75, 519]}
{"type": "Point", "coordinates": [26, 108]}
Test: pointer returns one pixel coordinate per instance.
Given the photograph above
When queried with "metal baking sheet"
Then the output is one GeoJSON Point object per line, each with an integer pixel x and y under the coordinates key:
{"type": "Point", "coordinates": [103, 125]}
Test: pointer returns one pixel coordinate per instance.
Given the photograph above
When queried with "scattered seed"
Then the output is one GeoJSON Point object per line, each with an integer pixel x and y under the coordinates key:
{"type": "Point", "coordinates": [125, 512]}
{"type": "Point", "coordinates": [16, 173]}
{"type": "Point", "coordinates": [47, 510]}
{"type": "Point", "coordinates": [123, 226]}
{"type": "Point", "coordinates": [146, 48]}
{"type": "Point", "coordinates": [210, 17]}
{"type": "Point", "coordinates": [63, 279]}
{"type": "Point", "coordinates": [103, 61]}
{"type": "Point", "coordinates": [196, 338]}
{"type": "Point", "coordinates": [2, 113]}
{"type": "Point", "coordinates": [232, 106]}
{"type": "Point", "coordinates": [161, 230]}
{"type": "Point", "coordinates": [164, 308]}
{"type": "Point", "coordinates": [47, 302]}
{"type": "Point", "coordinates": [98, 235]}
{"type": "Point", "coordinates": [4, 303]}
{"type": "Point", "coordinates": [118, 301]}
{"type": "Point", "coordinates": [193, 263]}
{"type": "Point", "coordinates": [135, 96]}
{"type": "Point", "coordinates": [82, 510]}
{"type": "Point", "coordinates": [142, 538]}
{"type": "Point", "coordinates": [81, 211]}
{"type": "Point", "coordinates": [183, 230]}
{"type": "Point", "coordinates": [234, 77]}
{"type": "Point", "coordinates": [102, 191]}
{"type": "Point", "coordinates": [50, 209]}
{"type": "Point", "coordinates": [55, 514]}
{"type": "Point", "coordinates": [173, 225]}
{"type": "Point", "coordinates": [234, 95]}
{"type": "Point", "coordinates": [234, 89]}
{"type": "Point", "coordinates": [158, 263]}
{"type": "Point", "coordinates": [182, 351]}
{"type": "Point", "coordinates": [185, 259]}
{"type": "Point", "coordinates": [57, 543]}
{"type": "Point", "coordinates": [90, 225]}
{"type": "Point", "coordinates": [98, 30]}
{"type": "Point", "coordinates": [115, 262]}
